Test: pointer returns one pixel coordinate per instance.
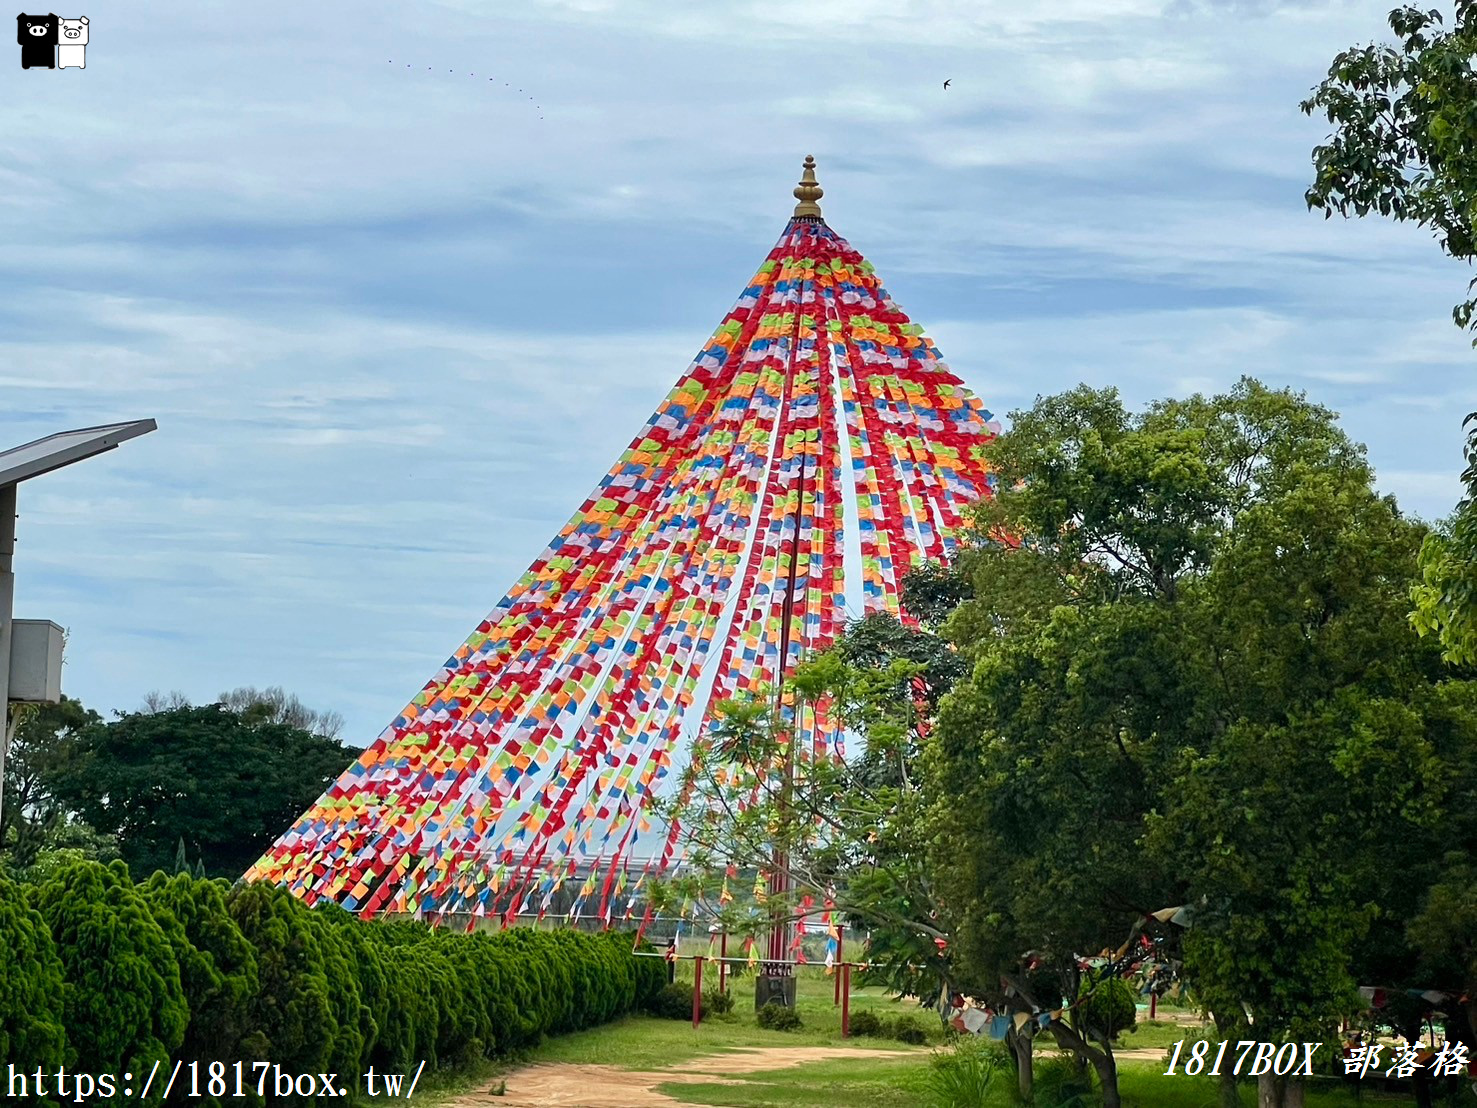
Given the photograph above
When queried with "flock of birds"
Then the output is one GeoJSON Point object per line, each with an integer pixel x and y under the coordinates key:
{"type": "Point", "coordinates": [506, 84]}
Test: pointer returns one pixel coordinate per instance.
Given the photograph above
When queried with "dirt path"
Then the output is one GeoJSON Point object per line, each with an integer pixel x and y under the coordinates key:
{"type": "Point", "coordinates": [562, 1085]}
{"type": "Point", "coordinates": [1141, 1054]}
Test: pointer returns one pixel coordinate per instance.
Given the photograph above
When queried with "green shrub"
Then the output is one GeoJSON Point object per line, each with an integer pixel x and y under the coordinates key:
{"type": "Point", "coordinates": [343, 964]}
{"type": "Point", "coordinates": [377, 1016]}
{"type": "Point", "coordinates": [776, 1017]}
{"type": "Point", "coordinates": [963, 1076]}
{"type": "Point", "coordinates": [411, 1033]}
{"type": "Point", "coordinates": [720, 1004]}
{"type": "Point", "coordinates": [865, 1023]}
{"type": "Point", "coordinates": [650, 973]}
{"type": "Point", "coordinates": [32, 988]}
{"type": "Point", "coordinates": [124, 1007]}
{"type": "Point", "coordinates": [1060, 1083]}
{"type": "Point", "coordinates": [217, 971]}
{"type": "Point", "coordinates": [1112, 1006]}
{"type": "Point", "coordinates": [484, 1008]}
{"type": "Point", "coordinates": [292, 1008]}
{"type": "Point", "coordinates": [98, 973]}
{"type": "Point", "coordinates": [907, 1029]}
{"type": "Point", "coordinates": [674, 1002]}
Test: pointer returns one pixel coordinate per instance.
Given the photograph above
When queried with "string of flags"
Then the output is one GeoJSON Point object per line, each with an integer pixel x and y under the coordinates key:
{"type": "Point", "coordinates": [522, 774]}
{"type": "Point", "coordinates": [1377, 998]}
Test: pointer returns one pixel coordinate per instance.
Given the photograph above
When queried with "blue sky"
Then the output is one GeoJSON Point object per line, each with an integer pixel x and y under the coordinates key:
{"type": "Point", "coordinates": [395, 320]}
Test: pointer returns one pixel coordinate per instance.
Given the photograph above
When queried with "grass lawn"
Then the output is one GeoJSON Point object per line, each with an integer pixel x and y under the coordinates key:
{"type": "Point", "coordinates": [859, 1083]}
{"type": "Point", "coordinates": [1144, 1085]}
{"type": "Point", "coordinates": [889, 1083]}
{"type": "Point", "coordinates": [1156, 1034]}
{"type": "Point", "coordinates": [644, 1043]}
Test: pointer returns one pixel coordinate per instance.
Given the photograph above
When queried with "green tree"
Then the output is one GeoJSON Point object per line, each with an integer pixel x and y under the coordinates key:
{"type": "Point", "coordinates": [1404, 146]}
{"type": "Point", "coordinates": [1445, 934]}
{"type": "Point", "coordinates": [1109, 1007]}
{"type": "Point", "coordinates": [849, 830]}
{"type": "Point", "coordinates": [204, 777]}
{"type": "Point", "coordinates": [1445, 597]}
{"type": "Point", "coordinates": [44, 740]}
{"type": "Point", "coordinates": [1404, 143]}
{"type": "Point", "coordinates": [1206, 604]}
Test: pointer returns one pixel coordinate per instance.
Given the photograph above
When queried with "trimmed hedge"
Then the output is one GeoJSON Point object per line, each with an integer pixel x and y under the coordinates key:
{"type": "Point", "coordinates": [123, 1006]}
{"type": "Point", "coordinates": [218, 972]}
{"type": "Point", "coordinates": [100, 974]}
{"type": "Point", "coordinates": [31, 985]}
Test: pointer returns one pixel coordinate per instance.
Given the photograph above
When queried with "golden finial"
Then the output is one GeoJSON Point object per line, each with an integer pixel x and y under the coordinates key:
{"type": "Point", "coordinates": [808, 192]}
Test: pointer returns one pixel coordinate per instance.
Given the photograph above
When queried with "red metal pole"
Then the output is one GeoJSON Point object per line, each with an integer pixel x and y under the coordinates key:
{"type": "Point", "coordinates": [1153, 1005]}
{"type": "Point", "coordinates": [697, 990]}
{"type": "Point", "coordinates": [840, 952]}
{"type": "Point", "coordinates": [723, 964]}
{"type": "Point", "coordinates": [846, 1000]}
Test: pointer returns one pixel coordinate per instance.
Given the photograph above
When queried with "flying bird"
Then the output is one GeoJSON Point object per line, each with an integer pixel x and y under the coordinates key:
{"type": "Point", "coordinates": [946, 83]}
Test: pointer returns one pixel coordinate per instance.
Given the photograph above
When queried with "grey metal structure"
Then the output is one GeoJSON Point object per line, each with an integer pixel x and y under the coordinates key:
{"type": "Point", "coordinates": [21, 463]}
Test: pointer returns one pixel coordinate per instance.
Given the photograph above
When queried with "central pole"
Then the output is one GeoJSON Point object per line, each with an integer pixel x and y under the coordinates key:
{"type": "Point", "coordinates": [782, 927]}
{"type": "Point", "coordinates": [779, 973]}
{"type": "Point", "coordinates": [779, 940]}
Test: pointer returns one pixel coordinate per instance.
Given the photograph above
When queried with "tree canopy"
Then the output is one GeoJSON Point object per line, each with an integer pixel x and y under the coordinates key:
{"type": "Point", "coordinates": [1208, 603]}
{"type": "Point", "coordinates": [33, 816]}
{"type": "Point", "coordinates": [275, 705]}
{"type": "Point", "coordinates": [1404, 145]}
{"type": "Point", "coordinates": [222, 784]}
{"type": "Point", "coordinates": [850, 828]}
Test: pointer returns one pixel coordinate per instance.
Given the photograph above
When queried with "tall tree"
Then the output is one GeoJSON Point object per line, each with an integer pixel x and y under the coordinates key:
{"type": "Point", "coordinates": [274, 705]}
{"type": "Point", "coordinates": [222, 785]}
{"type": "Point", "coordinates": [45, 735]}
{"type": "Point", "coordinates": [1446, 595]}
{"type": "Point", "coordinates": [1207, 604]}
{"type": "Point", "coordinates": [1404, 145]}
{"type": "Point", "coordinates": [850, 825]}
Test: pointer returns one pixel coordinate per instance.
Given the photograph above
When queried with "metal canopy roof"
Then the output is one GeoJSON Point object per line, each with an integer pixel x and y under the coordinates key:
{"type": "Point", "coordinates": [20, 463]}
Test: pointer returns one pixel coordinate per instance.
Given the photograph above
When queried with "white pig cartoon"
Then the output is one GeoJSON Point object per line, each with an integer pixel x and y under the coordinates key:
{"type": "Point", "coordinates": [72, 48]}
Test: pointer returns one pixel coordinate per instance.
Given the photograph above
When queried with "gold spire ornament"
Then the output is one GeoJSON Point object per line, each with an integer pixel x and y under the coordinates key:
{"type": "Point", "coordinates": [808, 192]}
